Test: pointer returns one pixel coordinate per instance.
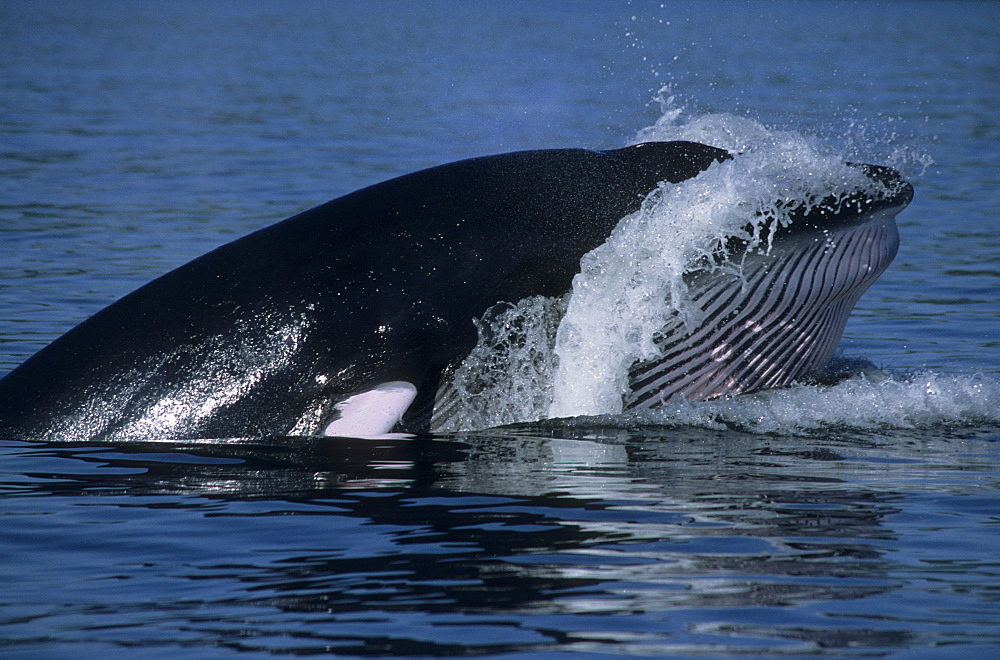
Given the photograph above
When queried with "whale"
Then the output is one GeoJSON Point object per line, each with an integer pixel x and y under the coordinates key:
{"type": "Point", "coordinates": [348, 319]}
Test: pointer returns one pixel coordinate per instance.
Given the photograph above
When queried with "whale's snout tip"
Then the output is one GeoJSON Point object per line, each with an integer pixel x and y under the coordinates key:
{"type": "Point", "coordinates": [898, 191]}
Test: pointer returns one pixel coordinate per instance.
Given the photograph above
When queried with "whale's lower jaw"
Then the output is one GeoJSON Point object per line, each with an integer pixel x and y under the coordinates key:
{"type": "Point", "coordinates": [776, 322]}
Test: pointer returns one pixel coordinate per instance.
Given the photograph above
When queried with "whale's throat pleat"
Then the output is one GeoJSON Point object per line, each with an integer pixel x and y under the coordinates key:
{"type": "Point", "coordinates": [777, 320]}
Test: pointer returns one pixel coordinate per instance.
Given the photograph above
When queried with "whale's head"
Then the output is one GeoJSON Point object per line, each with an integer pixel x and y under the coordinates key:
{"type": "Point", "coordinates": [772, 309]}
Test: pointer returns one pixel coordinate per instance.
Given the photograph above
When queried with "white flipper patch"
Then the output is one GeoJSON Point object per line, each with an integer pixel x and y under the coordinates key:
{"type": "Point", "coordinates": [374, 411]}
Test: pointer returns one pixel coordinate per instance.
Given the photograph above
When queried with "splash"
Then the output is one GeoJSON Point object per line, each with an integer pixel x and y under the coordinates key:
{"type": "Point", "coordinates": [629, 285]}
{"type": "Point", "coordinates": [507, 377]}
{"type": "Point", "coordinates": [542, 358]}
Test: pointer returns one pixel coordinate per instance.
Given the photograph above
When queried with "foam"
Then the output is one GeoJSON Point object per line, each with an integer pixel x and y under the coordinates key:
{"type": "Point", "coordinates": [891, 401]}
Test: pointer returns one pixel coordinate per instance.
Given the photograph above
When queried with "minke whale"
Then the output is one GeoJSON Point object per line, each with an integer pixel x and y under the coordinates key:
{"type": "Point", "coordinates": [348, 319]}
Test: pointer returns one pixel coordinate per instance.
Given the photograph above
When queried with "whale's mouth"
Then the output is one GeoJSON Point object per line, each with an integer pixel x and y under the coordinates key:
{"type": "Point", "coordinates": [889, 191]}
{"type": "Point", "coordinates": [827, 214]}
{"type": "Point", "coordinates": [776, 314]}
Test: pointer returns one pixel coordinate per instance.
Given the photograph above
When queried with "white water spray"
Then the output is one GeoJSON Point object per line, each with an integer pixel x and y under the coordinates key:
{"type": "Point", "coordinates": [543, 358]}
{"type": "Point", "coordinates": [628, 286]}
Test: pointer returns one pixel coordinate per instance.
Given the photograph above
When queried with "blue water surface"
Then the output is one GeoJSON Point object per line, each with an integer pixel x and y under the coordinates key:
{"type": "Point", "coordinates": [136, 136]}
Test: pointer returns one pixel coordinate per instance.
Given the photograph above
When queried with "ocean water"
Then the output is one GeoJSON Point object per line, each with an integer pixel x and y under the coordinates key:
{"type": "Point", "coordinates": [855, 517]}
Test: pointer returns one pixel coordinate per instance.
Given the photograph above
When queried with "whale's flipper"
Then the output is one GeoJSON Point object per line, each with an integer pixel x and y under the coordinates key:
{"type": "Point", "coordinates": [372, 412]}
